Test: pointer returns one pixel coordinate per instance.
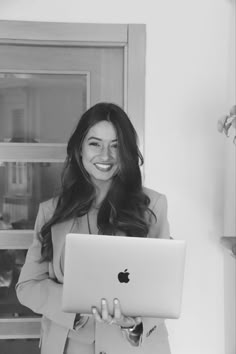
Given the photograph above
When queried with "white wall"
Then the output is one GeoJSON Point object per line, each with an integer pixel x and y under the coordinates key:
{"type": "Point", "coordinates": [187, 90]}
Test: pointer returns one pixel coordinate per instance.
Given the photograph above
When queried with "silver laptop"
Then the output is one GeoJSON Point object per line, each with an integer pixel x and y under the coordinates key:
{"type": "Point", "coordinates": [145, 274]}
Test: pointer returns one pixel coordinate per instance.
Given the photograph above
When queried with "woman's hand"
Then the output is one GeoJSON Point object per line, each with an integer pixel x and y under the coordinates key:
{"type": "Point", "coordinates": [117, 318]}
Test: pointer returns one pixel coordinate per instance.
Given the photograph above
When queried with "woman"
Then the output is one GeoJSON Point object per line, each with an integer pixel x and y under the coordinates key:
{"type": "Point", "coordinates": [102, 193]}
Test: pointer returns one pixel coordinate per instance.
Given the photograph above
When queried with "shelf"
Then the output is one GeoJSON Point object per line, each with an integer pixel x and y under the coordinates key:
{"type": "Point", "coordinates": [20, 328]}
{"type": "Point", "coordinates": [16, 239]}
{"type": "Point", "coordinates": [29, 152]}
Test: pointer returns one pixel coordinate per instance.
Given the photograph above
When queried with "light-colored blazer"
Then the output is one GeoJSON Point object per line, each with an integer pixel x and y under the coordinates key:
{"type": "Point", "coordinates": [40, 288]}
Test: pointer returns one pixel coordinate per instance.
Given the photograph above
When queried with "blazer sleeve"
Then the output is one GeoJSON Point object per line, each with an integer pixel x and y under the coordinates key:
{"type": "Point", "coordinates": [154, 335]}
{"type": "Point", "coordinates": [35, 289]}
{"type": "Point", "coordinates": [110, 339]}
{"type": "Point", "coordinates": [159, 227]}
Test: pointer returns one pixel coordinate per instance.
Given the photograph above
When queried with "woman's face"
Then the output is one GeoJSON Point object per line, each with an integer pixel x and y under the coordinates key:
{"type": "Point", "coordinates": [100, 152]}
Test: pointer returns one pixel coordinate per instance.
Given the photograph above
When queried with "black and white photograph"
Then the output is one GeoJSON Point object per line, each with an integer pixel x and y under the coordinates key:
{"type": "Point", "coordinates": [117, 177]}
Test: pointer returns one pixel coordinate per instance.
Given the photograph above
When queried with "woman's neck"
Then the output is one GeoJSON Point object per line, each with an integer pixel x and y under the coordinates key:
{"type": "Point", "coordinates": [102, 188]}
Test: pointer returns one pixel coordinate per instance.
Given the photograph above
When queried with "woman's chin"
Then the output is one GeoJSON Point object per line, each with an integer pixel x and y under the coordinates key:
{"type": "Point", "coordinates": [102, 177]}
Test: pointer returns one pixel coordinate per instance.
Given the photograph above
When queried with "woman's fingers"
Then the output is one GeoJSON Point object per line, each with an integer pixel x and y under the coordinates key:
{"type": "Point", "coordinates": [138, 320]}
{"type": "Point", "coordinates": [118, 318]}
{"type": "Point", "coordinates": [117, 310]}
{"type": "Point", "coordinates": [96, 314]}
{"type": "Point", "coordinates": [105, 314]}
{"type": "Point", "coordinates": [122, 320]}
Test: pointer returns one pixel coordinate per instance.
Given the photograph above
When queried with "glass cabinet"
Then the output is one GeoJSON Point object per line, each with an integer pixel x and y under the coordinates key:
{"type": "Point", "coordinates": [50, 74]}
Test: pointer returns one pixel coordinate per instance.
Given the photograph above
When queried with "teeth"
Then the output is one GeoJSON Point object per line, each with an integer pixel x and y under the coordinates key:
{"type": "Point", "coordinates": [103, 166]}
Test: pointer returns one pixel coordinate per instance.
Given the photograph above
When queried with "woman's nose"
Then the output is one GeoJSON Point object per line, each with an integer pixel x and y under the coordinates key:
{"type": "Point", "coordinates": [105, 153]}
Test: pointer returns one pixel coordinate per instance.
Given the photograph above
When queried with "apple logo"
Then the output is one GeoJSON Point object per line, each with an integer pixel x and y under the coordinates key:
{"type": "Point", "coordinates": [124, 276]}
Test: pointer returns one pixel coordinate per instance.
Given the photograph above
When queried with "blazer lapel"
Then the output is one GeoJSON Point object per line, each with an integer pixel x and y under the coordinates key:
{"type": "Point", "coordinates": [59, 232]}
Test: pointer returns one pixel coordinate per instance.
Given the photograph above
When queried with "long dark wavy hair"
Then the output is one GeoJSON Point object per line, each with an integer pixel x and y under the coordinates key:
{"type": "Point", "coordinates": [125, 207]}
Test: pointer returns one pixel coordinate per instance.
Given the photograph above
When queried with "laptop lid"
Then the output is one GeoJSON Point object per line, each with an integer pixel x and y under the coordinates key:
{"type": "Point", "coordinates": [145, 274]}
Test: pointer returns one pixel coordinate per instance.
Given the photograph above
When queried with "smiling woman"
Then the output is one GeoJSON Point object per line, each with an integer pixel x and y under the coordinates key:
{"type": "Point", "coordinates": [99, 152]}
{"type": "Point", "coordinates": [102, 193]}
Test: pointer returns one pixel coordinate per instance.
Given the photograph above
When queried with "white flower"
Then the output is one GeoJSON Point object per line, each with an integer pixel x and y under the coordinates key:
{"type": "Point", "coordinates": [225, 123]}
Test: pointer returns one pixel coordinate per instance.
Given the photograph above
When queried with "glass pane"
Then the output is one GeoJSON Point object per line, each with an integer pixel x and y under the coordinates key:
{"type": "Point", "coordinates": [19, 346]}
{"type": "Point", "coordinates": [11, 262]}
{"type": "Point", "coordinates": [105, 65]}
{"type": "Point", "coordinates": [40, 107]}
{"type": "Point", "coordinates": [22, 187]}
{"type": "Point", "coordinates": [44, 106]}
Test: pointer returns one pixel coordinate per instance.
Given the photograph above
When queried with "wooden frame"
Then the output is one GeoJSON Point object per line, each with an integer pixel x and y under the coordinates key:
{"type": "Point", "coordinates": [15, 239]}
{"type": "Point", "coordinates": [18, 328]}
{"type": "Point", "coordinates": [52, 33]}
{"type": "Point", "coordinates": [130, 37]}
{"type": "Point", "coordinates": [42, 152]}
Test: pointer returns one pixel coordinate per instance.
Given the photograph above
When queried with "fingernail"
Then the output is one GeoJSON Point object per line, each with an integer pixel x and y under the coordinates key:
{"type": "Point", "coordinates": [103, 301]}
{"type": "Point", "coordinates": [115, 301]}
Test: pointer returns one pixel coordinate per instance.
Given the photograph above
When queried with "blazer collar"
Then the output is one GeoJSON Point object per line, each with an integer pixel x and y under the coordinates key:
{"type": "Point", "coordinates": [59, 232]}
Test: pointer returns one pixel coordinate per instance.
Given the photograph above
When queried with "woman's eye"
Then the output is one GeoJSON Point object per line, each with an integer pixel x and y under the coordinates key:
{"type": "Point", "coordinates": [114, 146]}
{"type": "Point", "coordinates": [93, 143]}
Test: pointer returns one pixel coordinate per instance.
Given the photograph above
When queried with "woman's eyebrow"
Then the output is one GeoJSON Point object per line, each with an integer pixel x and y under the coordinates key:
{"type": "Point", "coordinates": [94, 137]}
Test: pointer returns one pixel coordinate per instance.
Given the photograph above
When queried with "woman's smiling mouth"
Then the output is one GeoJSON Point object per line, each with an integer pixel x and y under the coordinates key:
{"type": "Point", "coordinates": [104, 167]}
